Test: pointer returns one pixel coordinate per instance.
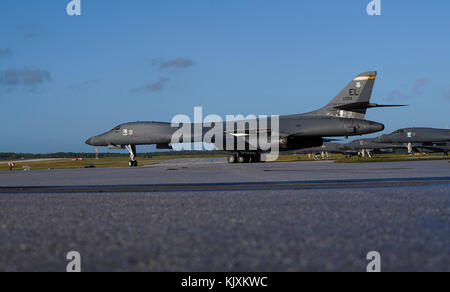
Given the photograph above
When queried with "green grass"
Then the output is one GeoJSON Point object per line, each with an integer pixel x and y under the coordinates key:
{"type": "Point", "coordinates": [298, 157]}
{"type": "Point", "coordinates": [392, 158]}
{"type": "Point", "coordinates": [338, 158]}
{"type": "Point", "coordinates": [110, 162]}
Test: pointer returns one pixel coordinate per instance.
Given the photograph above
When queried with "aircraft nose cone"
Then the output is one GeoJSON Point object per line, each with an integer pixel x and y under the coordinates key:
{"type": "Point", "coordinates": [90, 141]}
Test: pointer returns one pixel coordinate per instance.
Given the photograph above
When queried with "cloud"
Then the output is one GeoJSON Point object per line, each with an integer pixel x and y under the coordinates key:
{"type": "Point", "coordinates": [161, 63]}
{"type": "Point", "coordinates": [446, 93]}
{"type": "Point", "coordinates": [178, 63]}
{"type": "Point", "coordinates": [153, 87]}
{"type": "Point", "coordinates": [419, 85]}
{"type": "Point", "coordinates": [157, 86]}
{"type": "Point", "coordinates": [396, 94]}
{"type": "Point", "coordinates": [82, 86]}
{"type": "Point", "coordinates": [30, 31]}
{"type": "Point", "coordinates": [5, 53]}
{"type": "Point", "coordinates": [416, 90]}
{"type": "Point", "coordinates": [35, 76]}
{"type": "Point", "coordinates": [27, 77]}
{"type": "Point", "coordinates": [32, 34]}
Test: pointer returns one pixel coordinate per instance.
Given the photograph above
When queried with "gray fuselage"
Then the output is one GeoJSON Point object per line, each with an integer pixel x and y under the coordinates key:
{"type": "Point", "coordinates": [296, 126]}
{"type": "Point", "coordinates": [416, 135]}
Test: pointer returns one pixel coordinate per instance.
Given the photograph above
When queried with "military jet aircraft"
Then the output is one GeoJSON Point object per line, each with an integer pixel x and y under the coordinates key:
{"type": "Point", "coordinates": [344, 116]}
{"type": "Point", "coordinates": [366, 147]}
{"type": "Point", "coordinates": [324, 151]}
{"type": "Point", "coordinates": [432, 148]}
{"type": "Point", "coordinates": [414, 138]}
{"type": "Point", "coordinates": [362, 147]}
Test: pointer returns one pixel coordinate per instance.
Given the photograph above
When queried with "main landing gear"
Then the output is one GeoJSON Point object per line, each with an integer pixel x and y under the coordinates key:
{"type": "Point", "coordinates": [244, 158]}
{"type": "Point", "coordinates": [366, 153]}
{"type": "Point", "coordinates": [132, 149]}
{"type": "Point", "coordinates": [410, 149]}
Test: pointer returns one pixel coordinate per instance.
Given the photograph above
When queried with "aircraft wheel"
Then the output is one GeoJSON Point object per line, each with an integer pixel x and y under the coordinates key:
{"type": "Point", "coordinates": [232, 159]}
{"type": "Point", "coordinates": [130, 163]}
{"type": "Point", "coordinates": [135, 163]}
{"type": "Point", "coordinates": [241, 159]}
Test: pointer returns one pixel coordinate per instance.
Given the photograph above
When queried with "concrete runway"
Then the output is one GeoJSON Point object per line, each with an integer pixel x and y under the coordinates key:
{"type": "Point", "coordinates": [205, 215]}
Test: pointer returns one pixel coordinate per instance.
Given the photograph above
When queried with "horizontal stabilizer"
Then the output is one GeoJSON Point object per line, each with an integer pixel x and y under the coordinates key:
{"type": "Point", "coordinates": [362, 106]}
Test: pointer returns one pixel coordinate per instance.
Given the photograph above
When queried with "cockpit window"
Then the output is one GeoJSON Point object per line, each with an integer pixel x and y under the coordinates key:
{"type": "Point", "coordinates": [399, 131]}
{"type": "Point", "coordinates": [117, 129]}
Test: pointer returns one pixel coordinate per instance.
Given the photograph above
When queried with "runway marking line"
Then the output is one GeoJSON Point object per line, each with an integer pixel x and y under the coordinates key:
{"type": "Point", "coordinates": [256, 186]}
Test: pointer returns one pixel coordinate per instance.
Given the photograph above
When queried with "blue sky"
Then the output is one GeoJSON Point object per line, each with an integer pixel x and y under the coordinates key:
{"type": "Point", "coordinates": [68, 78]}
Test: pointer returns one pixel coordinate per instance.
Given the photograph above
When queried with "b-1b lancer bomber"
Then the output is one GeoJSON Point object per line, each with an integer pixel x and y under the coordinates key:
{"type": "Point", "coordinates": [344, 116]}
{"type": "Point", "coordinates": [433, 140]}
{"type": "Point", "coordinates": [363, 148]}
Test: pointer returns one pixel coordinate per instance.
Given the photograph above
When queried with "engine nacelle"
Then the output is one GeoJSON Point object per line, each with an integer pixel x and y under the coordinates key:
{"type": "Point", "coordinates": [296, 143]}
{"type": "Point", "coordinates": [163, 147]}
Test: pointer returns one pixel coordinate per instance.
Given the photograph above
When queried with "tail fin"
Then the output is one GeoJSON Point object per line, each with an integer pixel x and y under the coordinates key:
{"type": "Point", "coordinates": [353, 101]}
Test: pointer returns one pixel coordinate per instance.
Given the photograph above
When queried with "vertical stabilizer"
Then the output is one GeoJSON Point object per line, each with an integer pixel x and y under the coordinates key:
{"type": "Point", "coordinates": [353, 101]}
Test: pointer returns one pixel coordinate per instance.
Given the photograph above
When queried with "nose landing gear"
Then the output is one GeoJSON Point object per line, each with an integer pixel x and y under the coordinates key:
{"type": "Point", "coordinates": [132, 149]}
{"type": "Point", "coordinates": [410, 149]}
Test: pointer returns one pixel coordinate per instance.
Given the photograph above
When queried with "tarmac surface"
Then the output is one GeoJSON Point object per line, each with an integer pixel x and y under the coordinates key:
{"type": "Point", "coordinates": [206, 215]}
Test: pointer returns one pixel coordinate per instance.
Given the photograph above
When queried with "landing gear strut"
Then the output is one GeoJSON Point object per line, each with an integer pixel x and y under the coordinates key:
{"type": "Point", "coordinates": [132, 149]}
{"type": "Point", "coordinates": [410, 149]}
{"type": "Point", "coordinates": [366, 152]}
